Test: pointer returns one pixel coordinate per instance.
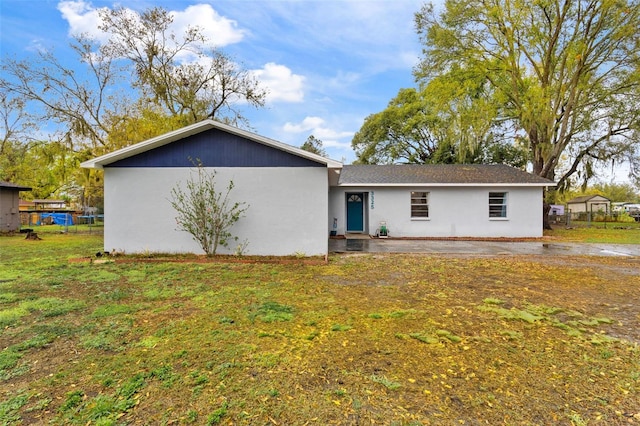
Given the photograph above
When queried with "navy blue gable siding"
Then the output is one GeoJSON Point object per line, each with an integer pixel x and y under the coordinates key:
{"type": "Point", "coordinates": [215, 148]}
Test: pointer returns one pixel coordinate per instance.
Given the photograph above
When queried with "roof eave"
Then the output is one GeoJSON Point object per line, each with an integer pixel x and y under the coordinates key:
{"type": "Point", "coordinates": [140, 147]}
{"type": "Point", "coordinates": [14, 187]}
{"type": "Point", "coordinates": [105, 160]}
{"type": "Point", "coordinates": [413, 184]}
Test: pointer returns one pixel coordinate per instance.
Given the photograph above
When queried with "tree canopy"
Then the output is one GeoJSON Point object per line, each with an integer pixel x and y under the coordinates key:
{"type": "Point", "coordinates": [420, 126]}
{"type": "Point", "coordinates": [314, 145]}
{"type": "Point", "coordinates": [143, 81]}
{"type": "Point", "coordinates": [563, 75]}
{"type": "Point", "coordinates": [176, 71]}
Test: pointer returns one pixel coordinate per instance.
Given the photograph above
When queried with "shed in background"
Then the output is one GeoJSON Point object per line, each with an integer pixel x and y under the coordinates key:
{"type": "Point", "coordinates": [589, 204]}
{"type": "Point", "coordinates": [10, 206]}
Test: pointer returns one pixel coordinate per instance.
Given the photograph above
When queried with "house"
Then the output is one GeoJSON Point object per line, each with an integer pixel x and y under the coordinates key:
{"type": "Point", "coordinates": [286, 190]}
{"type": "Point", "coordinates": [44, 205]}
{"type": "Point", "coordinates": [46, 212]}
{"type": "Point", "coordinates": [296, 198]}
{"type": "Point", "coordinates": [10, 206]}
{"type": "Point", "coordinates": [439, 200]}
{"type": "Point", "coordinates": [589, 204]}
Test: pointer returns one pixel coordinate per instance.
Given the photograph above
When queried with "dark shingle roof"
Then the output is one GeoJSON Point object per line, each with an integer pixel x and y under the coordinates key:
{"type": "Point", "coordinates": [17, 187]}
{"type": "Point", "coordinates": [439, 174]}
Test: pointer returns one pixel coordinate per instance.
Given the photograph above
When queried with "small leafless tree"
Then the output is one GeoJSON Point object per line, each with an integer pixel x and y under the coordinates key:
{"type": "Point", "coordinates": [205, 213]}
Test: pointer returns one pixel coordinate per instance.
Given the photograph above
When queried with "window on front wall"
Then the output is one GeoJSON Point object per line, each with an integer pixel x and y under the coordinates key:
{"type": "Point", "coordinates": [497, 204]}
{"type": "Point", "coordinates": [419, 204]}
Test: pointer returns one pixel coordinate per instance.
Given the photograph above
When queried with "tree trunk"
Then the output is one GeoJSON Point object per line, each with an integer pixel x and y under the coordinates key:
{"type": "Point", "coordinates": [546, 208]}
{"type": "Point", "coordinates": [32, 236]}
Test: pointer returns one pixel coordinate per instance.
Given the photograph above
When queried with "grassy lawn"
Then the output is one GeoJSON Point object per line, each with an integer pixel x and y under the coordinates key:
{"type": "Point", "coordinates": [597, 232]}
{"type": "Point", "coordinates": [364, 339]}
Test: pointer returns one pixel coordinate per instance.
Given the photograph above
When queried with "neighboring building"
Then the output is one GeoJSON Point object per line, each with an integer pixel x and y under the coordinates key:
{"type": "Point", "coordinates": [631, 207]}
{"type": "Point", "coordinates": [617, 207]}
{"type": "Point", "coordinates": [589, 204]}
{"type": "Point", "coordinates": [10, 206]}
{"type": "Point", "coordinates": [45, 205]}
{"type": "Point", "coordinates": [556, 210]}
{"type": "Point", "coordinates": [625, 207]}
{"type": "Point", "coordinates": [46, 212]}
{"type": "Point", "coordinates": [297, 198]}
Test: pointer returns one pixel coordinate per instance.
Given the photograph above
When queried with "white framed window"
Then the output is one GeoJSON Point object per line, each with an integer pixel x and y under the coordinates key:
{"type": "Point", "coordinates": [419, 205]}
{"type": "Point", "coordinates": [497, 205]}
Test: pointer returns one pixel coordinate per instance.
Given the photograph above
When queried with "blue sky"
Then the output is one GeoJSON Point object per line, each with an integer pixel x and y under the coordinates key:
{"type": "Point", "coordinates": [327, 64]}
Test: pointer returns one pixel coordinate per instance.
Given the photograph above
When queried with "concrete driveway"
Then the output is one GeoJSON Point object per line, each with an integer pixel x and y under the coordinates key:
{"type": "Point", "coordinates": [487, 248]}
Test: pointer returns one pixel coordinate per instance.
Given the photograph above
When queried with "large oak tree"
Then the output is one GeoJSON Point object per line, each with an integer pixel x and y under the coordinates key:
{"type": "Point", "coordinates": [563, 74]}
{"type": "Point", "coordinates": [431, 126]}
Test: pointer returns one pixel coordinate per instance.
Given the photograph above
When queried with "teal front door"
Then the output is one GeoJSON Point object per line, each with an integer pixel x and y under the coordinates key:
{"type": "Point", "coordinates": [355, 212]}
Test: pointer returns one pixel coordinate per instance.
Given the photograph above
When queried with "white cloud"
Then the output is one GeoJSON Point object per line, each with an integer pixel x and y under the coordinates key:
{"type": "Point", "coordinates": [281, 83]}
{"type": "Point", "coordinates": [317, 127]}
{"type": "Point", "coordinates": [36, 45]}
{"type": "Point", "coordinates": [83, 18]}
{"type": "Point", "coordinates": [219, 31]}
{"type": "Point", "coordinates": [343, 80]}
{"type": "Point", "coordinates": [309, 123]}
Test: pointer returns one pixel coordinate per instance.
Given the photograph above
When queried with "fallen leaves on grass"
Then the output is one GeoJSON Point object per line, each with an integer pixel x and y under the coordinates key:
{"type": "Point", "coordinates": [386, 339]}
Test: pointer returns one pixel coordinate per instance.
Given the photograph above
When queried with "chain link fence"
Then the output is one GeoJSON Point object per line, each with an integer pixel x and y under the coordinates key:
{"type": "Point", "coordinates": [588, 218]}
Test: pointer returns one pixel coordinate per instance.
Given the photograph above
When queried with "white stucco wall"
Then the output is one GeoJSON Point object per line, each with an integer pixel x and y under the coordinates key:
{"type": "Point", "coordinates": [453, 211]}
{"type": "Point", "coordinates": [286, 215]}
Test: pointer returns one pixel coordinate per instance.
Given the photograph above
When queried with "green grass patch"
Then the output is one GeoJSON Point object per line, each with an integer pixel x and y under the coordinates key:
{"type": "Point", "coordinates": [112, 310]}
{"type": "Point", "coordinates": [48, 307]}
{"type": "Point", "coordinates": [384, 381]}
{"type": "Point", "coordinates": [9, 358]}
{"type": "Point", "coordinates": [402, 313]}
{"type": "Point", "coordinates": [8, 297]}
{"type": "Point", "coordinates": [9, 408]}
{"type": "Point", "coordinates": [573, 323]}
{"type": "Point", "coordinates": [271, 312]}
{"type": "Point", "coordinates": [598, 232]}
{"type": "Point", "coordinates": [512, 314]}
{"type": "Point", "coordinates": [217, 415]}
{"type": "Point", "coordinates": [341, 327]}
{"type": "Point", "coordinates": [108, 336]}
{"type": "Point", "coordinates": [10, 316]}
{"type": "Point", "coordinates": [105, 408]}
{"type": "Point", "coordinates": [425, 338]}
{"type": "Point", "coordinates": [449, 336]}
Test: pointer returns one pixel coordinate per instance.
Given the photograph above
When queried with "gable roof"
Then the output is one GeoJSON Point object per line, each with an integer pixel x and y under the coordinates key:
{"type": "Point", "coordinates": [438, 175]}
{"type": "Point", "coordinates": [194, 129]}
{"type": "Point", "coordinates": [13, 186]}
{"type": "Point", "coordinates": [585, 198]}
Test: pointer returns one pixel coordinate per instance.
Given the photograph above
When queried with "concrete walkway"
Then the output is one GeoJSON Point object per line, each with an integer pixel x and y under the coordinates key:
{"type": "Point", "coordinates": [487, 248]}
